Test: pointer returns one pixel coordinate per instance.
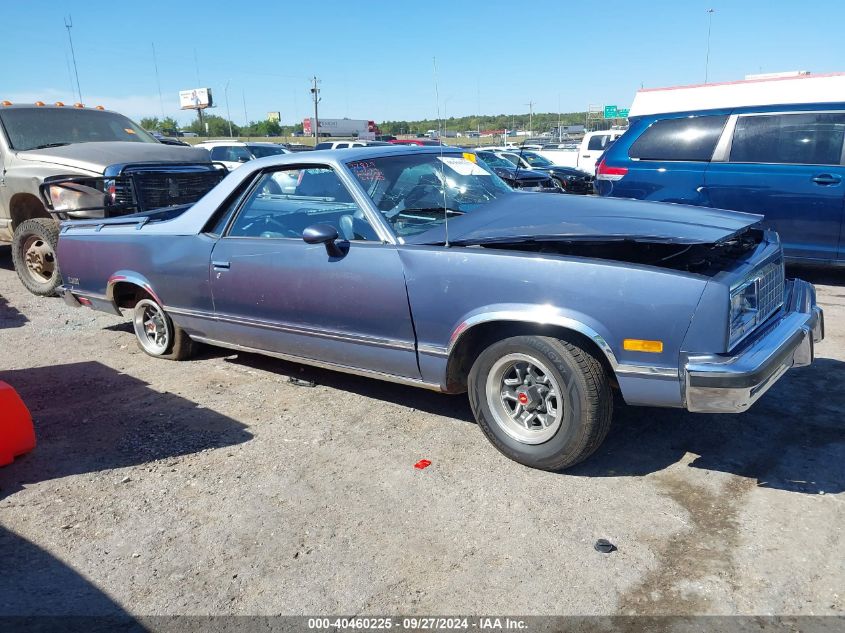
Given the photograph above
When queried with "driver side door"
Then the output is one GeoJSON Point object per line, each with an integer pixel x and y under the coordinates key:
{"type": "Point", "coordinates": [273, 292]}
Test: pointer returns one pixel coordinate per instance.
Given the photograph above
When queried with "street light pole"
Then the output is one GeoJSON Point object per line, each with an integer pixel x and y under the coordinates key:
{"type": "Point", "coordinates": [710, 13]}
{"type": "Point", "coordinates": [228, 112]}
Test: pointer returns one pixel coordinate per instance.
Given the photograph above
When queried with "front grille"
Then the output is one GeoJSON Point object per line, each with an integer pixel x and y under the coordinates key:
{"type": "Point", "coordinates": [154, 190]}
{"type": "Point", "coordinates": [769, 280]}
{"type": "Point", "coordinates": [770, 289]}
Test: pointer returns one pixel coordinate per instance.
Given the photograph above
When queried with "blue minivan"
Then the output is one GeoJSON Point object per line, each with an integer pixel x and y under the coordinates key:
{"type": "Point", "coordinates": [786, 162]}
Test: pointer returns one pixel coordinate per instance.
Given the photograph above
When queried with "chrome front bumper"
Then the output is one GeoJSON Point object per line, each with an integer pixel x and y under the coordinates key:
{"type": "Point", "coordinates": [716, 383]}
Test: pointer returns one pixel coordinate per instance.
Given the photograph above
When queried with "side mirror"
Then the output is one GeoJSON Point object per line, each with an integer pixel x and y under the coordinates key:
{"type": "Point", "coordinates": [243, 159]}
{"type": "Point", "coordinates": [324, 234]}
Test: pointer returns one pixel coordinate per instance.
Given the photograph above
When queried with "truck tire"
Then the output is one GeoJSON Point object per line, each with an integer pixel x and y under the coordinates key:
{"type": "Point", "coordinates": [34, 255]}
{"type": "Point", "coordinates": [543, 402]}
{"type": "Point", "coordinates": [157, 334]}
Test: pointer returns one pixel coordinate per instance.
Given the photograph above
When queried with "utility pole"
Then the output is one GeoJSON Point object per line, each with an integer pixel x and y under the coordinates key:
{"type": "Point", "coordinates": [530, 105]}
{"type": "Point", "coordinates": [243, 96]}
{"type": "Point", "coordinates": [228, 112]}
{"type": "Point", "coordinates": [316, 91]}
{"type": "Point", "coordinates": [559, 133]}
{"type": "Point", "coordinates": [710, 13]}
{"type": "Point", "coordinates": [68, 26]}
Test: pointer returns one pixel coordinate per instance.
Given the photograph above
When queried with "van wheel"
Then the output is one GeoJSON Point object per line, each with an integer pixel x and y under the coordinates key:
{"type": "Point", "coordinates": [34, 255]}
{"type": "Point", "coordinates": [157, 335]}
{"type": "Point", "coordinates": [543, 402]}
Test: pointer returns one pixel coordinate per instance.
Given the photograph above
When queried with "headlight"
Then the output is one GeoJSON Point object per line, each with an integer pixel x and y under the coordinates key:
{"type": "Point", "coordinates": [74, 196]}
{"type": "Point", "coordinates": [744, 309]}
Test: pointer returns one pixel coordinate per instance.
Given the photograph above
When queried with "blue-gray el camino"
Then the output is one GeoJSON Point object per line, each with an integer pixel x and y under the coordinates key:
{"type": "Point", "coordinates": [419, 265]}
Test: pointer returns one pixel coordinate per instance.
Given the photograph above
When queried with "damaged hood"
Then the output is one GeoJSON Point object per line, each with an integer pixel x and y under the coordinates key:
{"type": "Point", "coordinates": [523, 217]}
{"type": "Point", "coordinates": [95, 157]}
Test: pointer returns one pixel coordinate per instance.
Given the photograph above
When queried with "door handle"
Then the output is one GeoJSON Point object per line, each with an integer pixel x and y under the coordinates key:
{"type": "Point", "coordinates": [826, 179]}
{"type": "Point", "coordinates": [221, 265]}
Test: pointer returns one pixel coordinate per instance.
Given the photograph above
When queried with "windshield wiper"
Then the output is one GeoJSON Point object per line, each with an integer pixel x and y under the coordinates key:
{"type": "Point", "coordinates": [46, 145]}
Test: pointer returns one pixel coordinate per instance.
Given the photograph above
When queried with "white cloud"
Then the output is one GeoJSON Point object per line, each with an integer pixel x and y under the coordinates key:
{"type": "Point", "coordinates": [133, 106]}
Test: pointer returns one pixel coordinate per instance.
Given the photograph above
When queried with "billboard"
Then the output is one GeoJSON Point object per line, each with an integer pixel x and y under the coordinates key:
{"type": "Point", "coordinates": [195, 99]}
{"type": "Point", "coordinates": [274, 116]}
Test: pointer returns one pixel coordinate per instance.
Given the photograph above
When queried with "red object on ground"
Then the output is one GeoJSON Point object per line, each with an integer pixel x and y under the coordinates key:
{"type": "Point", "coordinates": [423, 463]}
{"type": "Point", "coordinates": [17, 435]}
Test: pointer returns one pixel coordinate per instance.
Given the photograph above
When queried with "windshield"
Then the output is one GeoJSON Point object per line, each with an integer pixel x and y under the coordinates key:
{"type": "Point", "coordinates": [411, 191]}
{"type": "Point", "coordinates": [260, 151]}
{"type": "Point", "coordinates": [494, 160]}
{"type": "Point", "coordinates": [33, 128]}
{"type": "Point", "coordinates": [535, 160]}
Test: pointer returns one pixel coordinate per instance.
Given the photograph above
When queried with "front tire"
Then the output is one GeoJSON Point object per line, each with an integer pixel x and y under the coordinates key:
{"type": "Point", "coordinates": [34, 255]}
{"type": "Point", "coordinates": [543, 402]}
{"type": "Point", "coordinates": [157, 335]}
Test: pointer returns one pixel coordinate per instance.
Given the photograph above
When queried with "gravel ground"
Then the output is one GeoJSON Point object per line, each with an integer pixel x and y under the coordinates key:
{"type": "Point", "coordinates": [215, 486]}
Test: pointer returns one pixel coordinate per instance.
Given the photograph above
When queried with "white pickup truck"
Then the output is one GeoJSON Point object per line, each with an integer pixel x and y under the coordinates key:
{"type": "Point", "coordinates": [585, 155]}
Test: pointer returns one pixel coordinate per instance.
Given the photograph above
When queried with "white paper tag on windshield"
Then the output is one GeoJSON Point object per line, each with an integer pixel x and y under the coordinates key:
{"type": "Point", "coordinates": [463, 166]}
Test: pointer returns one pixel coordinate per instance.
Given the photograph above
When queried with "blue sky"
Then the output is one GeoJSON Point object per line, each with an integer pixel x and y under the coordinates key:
{"type": "Point", "coordinates": [375, 58]}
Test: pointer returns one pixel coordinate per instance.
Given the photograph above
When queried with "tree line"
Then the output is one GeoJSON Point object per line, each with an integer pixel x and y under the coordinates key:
{"type": "Point", "coordinates": [219, 126]}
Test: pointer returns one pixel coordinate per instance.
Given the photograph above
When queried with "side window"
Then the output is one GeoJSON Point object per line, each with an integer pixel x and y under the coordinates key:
{"type": "Point", "coordinates": [341, 146]}
{"type": "Point", "coordinates": [286, 202]}
{"type": "Point", "coordinates": [218, 153]}
{"type": "Point", "coordinates": [237, 154]}
{"type": "Point", "coordinates": [688, 138]}
{"type": "Point", "coordinates": [803, 138]}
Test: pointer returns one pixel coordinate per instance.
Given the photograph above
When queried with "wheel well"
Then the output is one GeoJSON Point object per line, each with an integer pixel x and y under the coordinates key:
{"type": "Point", "coordinates": [126, 294]}
{"type": "Point", "coordinates": [480, 337]}
{"type": "Point", "coordinates": [25, 206]}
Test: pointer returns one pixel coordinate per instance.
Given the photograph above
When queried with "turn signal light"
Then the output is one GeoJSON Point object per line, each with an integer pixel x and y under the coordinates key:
{"type": "Point", "coordinates": [639, 345]}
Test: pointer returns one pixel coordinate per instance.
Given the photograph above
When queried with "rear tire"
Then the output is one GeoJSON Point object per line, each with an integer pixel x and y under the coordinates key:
{"type": "Point", "coordinates": [543, 402]}
{"type": "Point", "coordinates": [34, 256]}
{"type": "Point", "coordinates": [157, 334]}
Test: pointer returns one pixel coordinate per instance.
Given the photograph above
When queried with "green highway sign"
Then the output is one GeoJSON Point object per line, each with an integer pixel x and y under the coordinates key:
{"type": "Point", "coordinates": [623, 114]}
{"type": "Point", "coordinates": [610, 112]}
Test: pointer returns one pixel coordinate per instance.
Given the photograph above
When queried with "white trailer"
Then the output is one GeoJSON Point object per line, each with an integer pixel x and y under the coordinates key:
{"type": "Point", "coordinates": [340, 127]}
{"type": "Point", "coordinates": [798, 87]}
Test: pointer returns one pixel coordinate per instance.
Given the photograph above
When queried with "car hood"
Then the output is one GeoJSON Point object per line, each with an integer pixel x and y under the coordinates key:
{"type": "Point", "coordinates": [95, 157]}
{"type": "Point", "coordinates": [520, 175]}
{"type": "Point", "coordinates": [564, 171]}
{"type": "Point", "coordinates": [539, 217]}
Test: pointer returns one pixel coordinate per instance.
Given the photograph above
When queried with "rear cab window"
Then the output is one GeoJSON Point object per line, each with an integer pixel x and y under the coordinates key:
{"type": "Point", "coordinates": [683, 139]}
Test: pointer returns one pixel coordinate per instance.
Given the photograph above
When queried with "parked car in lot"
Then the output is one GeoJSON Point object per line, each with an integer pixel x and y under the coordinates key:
{"type": "Point", "coordinates": [59, 162]}
{"type": "Point", "coordinates": [518, 178]}
{"type": "Point", "coordinates": [233, 153]}
{"type": "Point", "coordinates": [570, 179]}
{"type": "Point", "coordinates": [422, 267]}
{"type": "Point", "coordinates": [785, 162]}
{"type": "Point", "coordinates": [585, 154]}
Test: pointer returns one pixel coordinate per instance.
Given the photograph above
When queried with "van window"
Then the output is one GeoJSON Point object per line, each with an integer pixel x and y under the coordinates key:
{"type": "Point", "coordinates": [689, 138]}
{"type": "Point", "coordinates": [805, 139]}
